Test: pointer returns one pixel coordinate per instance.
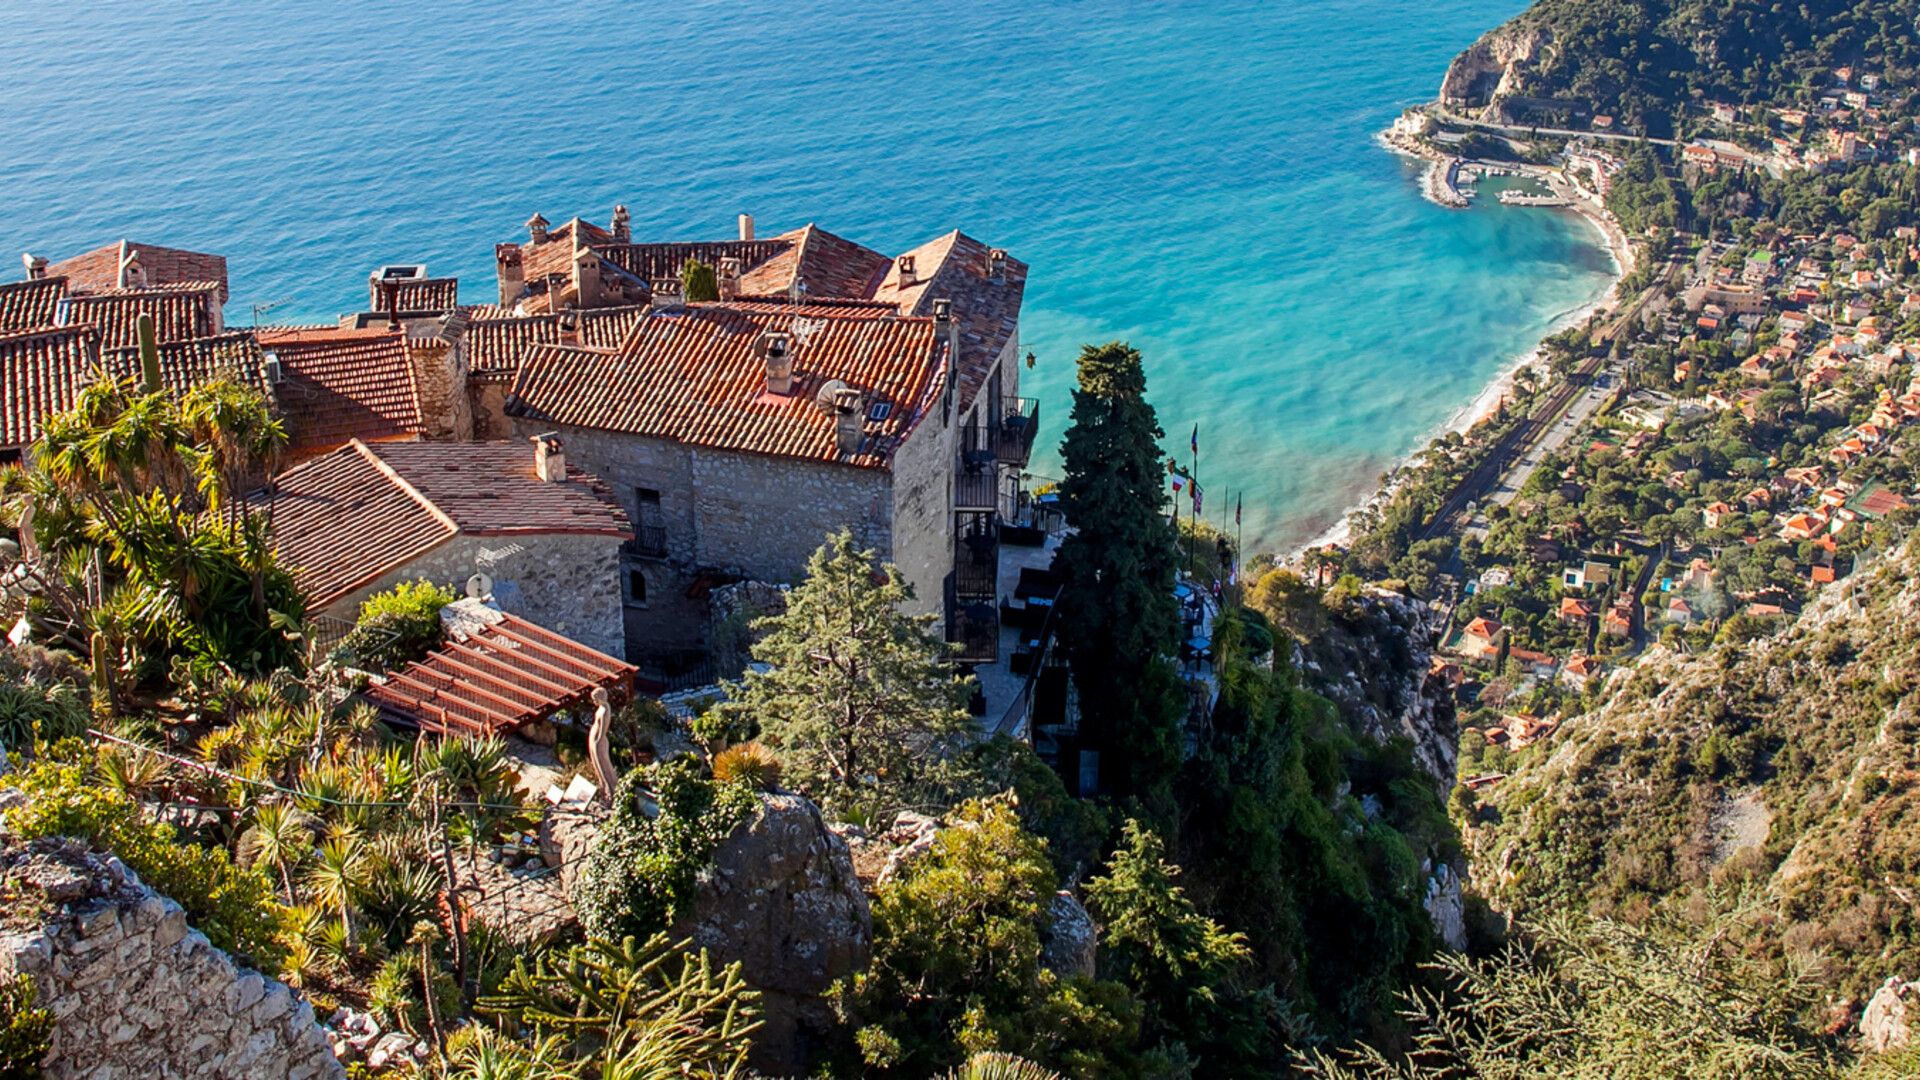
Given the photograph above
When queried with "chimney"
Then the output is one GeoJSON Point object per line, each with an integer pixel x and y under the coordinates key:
{"type": "Point", "coordinates": [131, 274]}
{"type": "Point", "coordinates": [35, 264]}
{"type": "Point", "coordinates": [669, 294]}
{"type": "Point", "coordinates": [905, 262]}
{"type": "Point", "coordinates": [850, 417]}
{"type": "Point", "coordinates": [997, 265]}
{"type": "Point", "coordinates": [778, 349]}
{"type": "Point", "coordinates": [507, 265]}
{"type": "Point", "coordinates": [549, 457]}
{"type": "Point", "coordinates": [728, 276]}
{"type": "Point", "coordinates": [746, 227]}
{"type": "Point", "coordinates": [622, 226]}
{"type": "Point", "coordinates": [537, 228]}
{"type": "Point", "coordinates": [945, 327]}
{"type": "Point", "coordinates": [797, 292]}
{"type": "Point", "coordinates": [390, 290]}
{"type": "Point", "coordinates": [586, 278]}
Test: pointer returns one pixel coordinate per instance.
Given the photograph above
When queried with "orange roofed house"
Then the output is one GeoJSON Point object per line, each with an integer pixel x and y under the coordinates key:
{"type": "Point", "coordinates": [830, 387]}
{"type": "Point", "coordinates": [370, 516]}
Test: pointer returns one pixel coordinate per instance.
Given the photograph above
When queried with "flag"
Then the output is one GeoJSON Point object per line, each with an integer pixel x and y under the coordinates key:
{"type": "Point", "coordinates": [1177, 485]}
{"type": "Point", "coordinates": [1178, 469]}
{"type": "Point", "coordinates": [1196, 498]}
{"type": "Point", "coordinates": [1196, 438]}
{"type": "Point", "coordinates": [1236, 508]}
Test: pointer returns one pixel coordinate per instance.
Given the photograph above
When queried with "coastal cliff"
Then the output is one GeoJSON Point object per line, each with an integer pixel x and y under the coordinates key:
{"type": "Point", "coordinates": [1496, 66]}
{"type": "Point", "coordinates": [1371, 659]}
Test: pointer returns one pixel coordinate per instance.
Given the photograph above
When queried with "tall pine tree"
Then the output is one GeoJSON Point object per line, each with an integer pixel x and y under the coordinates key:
{"type": "Point", "coordinates": [1118, 622]}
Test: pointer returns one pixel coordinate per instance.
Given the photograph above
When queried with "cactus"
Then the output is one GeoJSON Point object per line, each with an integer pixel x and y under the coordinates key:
{"type": "Point", "coordinates": [149, 354]}
{"type": "Point", "coordinates": [102, 673]}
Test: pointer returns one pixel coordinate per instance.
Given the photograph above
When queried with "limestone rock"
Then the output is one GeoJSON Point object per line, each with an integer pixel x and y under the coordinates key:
{"type": "Point", "coordinates": [1373, 663]}
{"type": "Point", "coordinates": [1072, 939]}
{"type": "Point", "coordinates": [1890, 1017]}
{"type": "Point", "coordinates": [782, 899]}
{"type": "Point", "coordinates": [1447, 907]}
{"type": "Point", "coordinates": [1494, 67]}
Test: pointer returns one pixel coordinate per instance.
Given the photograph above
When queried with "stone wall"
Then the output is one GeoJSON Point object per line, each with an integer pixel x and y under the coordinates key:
{"type": "Point", "coordinates": [569, 584]}
{"type": "Point", "coordinates": [922, 512]}
{"type": "Point", "coordinates": [135, 992]}
{"type": "Point", "coordinates": [757, 516]}
{"type": "Point", "coordinates": [440, 386]}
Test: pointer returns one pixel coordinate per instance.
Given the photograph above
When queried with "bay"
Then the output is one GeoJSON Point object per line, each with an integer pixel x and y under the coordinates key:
{"type": "Point", "coordinates": [1197, 178]}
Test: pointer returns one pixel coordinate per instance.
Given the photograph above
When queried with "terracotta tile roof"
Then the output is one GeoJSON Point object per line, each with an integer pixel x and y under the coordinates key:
{"type": "Point", "coordinates": [650, 261]}
{"type": "Point", "coordinates": [40, 372]}
{"type": "Point", "coordinates": [346, 518]}
{"type": "Point", "coordinates": [99, 269]}
{"type": "Point", "coordinates": [497, 679]}
{"type": "Point", "coordinates": [555, 256]}
{"type": "Point", "coordinates": [831, 266]}
{"type": "Point", "coordinates": [338, 385]}
{"type": "Point", "coordinates": [181, 312]}
{"type": "Point", "coordinates": [957, 267]}
{"type": "Point", "coordinates": [501, 344]}
{"type": "Point", "coordinates": [606, 328]}
{"type": "Point", "coordinates": [695, 376]}
{"type": "Point", "coordinates": [27, 304]}
{"type": "Point", "coordinates": [184, 364]}
{"type": "Point", "coordinates": [417, 294]}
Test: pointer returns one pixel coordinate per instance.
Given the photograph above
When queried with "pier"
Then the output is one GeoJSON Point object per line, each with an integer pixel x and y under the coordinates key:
{"type": "Point", "coordinates": [1521, 198]}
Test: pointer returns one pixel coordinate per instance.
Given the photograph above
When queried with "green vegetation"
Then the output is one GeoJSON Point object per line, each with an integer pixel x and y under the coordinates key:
{"type": "Point", "coordinates": [399, 626]}
{"type": "Point", "coordinates": [698, 282]}
{"type": "Point", "coordinates": [667, 822]}
{"type": "Point", "coordinates": [1644, 61]}
{"type": "Point", "coordinates": [857, 700]}
{"type": "Point", "coordinates": [233, 907]}
{"type": "Point", "coordinates": [26, 1031]}
{"type": "Point", "coordinates": [1117, 618]}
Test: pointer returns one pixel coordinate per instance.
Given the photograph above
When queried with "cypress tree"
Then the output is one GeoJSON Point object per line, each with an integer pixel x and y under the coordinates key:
{"type": "Point", "coordinates": [1118, 621]}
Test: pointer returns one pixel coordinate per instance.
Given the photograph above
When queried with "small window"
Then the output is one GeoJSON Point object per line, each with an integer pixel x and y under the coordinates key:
{"type": "Point", "coordinates": [880, 411]}
{"type": "Point", "coordinates": [636, 587]}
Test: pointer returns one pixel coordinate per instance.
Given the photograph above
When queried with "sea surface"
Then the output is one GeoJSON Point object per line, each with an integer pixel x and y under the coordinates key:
{"type": "Point", "coordinates": [1200, 179]}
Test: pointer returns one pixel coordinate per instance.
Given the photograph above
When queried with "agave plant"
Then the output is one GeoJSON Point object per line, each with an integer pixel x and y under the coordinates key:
{"type": "Point", "coordinates": [476, 1052]}
{"type": "Point", "coordinates": [337, 876]}
{"type": "Point", "coordinates": [750, 763]}
{"type": "Point", "coordinates": [992, 1066]}
{"type": "Point", "coordinates": [281, 836]}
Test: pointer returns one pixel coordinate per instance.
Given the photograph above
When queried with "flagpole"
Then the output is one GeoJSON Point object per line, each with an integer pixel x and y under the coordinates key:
{"type": "Point", "coordinates": [1195, 444]}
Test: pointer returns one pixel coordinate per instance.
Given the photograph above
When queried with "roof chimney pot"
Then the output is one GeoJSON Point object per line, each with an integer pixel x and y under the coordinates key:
{"type": "Point", "coordinates": [778, 349]}
{"type": "Point", "coordinates": [850, 415]}
{"type": "Point", "coordinates": [905, 263]}
{"type": "Point", "coordinates": [549, 457]}
{"type": "Point", "coordinates": [537, 228]}
{"type": "Point", "coordinates": [997, 264]}
{"type": "Point", "coordinates": [728, 276]}
{"type": "Point", "coordinates": [622, 226]}
{"type": "Point", "coordinates": [669, 294]}
{"type": "Point", "coordinates": [36, 266]}
{"type": "Point", "coordinates": [746, 227]}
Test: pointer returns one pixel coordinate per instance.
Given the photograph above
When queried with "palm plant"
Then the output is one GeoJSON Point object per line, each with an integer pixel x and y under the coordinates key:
{"type": "Point", "coordinates": [337, 876]}
{"type": "Point", "coordinates": [280, 837]}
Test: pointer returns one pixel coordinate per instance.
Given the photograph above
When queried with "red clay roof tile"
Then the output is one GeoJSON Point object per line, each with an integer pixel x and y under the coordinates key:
{"type": "Point", "coordinates": [99, 269]}
{"type": "Point", "coordinates": [27, 304]}
{"type": "Point", "coordinates": [339, 384]}
{"type": "Point", "coordinates": [181, 312]}
{"type": "Point", "coordinates": [696, 376]}
{"type": "Point", "coordinates": [40, 372]}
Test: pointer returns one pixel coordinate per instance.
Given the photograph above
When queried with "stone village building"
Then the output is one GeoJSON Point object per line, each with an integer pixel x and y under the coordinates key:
{"type": "Point", "coordinates": [830, 386]}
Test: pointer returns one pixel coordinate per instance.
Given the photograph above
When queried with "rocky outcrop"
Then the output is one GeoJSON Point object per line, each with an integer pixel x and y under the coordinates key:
{"type": "Point", "coordinates": [1070, 943]}
{"type": "Point", "coordinates": [1495, 66]}
{"type": "Point", "coordinates": [782, 899]}
{"type": "Point", "coordinates": [1447, 906]}
{"type": "Point", "coordinates": [1891, 1016]}
{"type": "Point", "coordinates": [135, 992]}
{"type": "Point", "coordinates": [1372, 661]}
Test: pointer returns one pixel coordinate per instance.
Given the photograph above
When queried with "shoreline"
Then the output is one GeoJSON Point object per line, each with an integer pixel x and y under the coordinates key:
{"type": "Point", "coordinates": [1612, 238]}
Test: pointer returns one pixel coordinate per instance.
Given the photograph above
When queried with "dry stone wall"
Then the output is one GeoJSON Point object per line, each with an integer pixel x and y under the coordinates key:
{"type": "Point", "coordinates": [136, 993]}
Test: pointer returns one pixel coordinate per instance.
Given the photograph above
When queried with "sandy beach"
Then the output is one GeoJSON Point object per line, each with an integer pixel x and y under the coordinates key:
{"type": "Point", "coordinates": [1617, 245]}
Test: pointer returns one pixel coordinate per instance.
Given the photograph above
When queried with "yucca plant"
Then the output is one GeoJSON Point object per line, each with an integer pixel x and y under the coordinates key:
{"type": "Point", "coordinates": [992, 1066]}
{"type": "Point", "coordinates": [337, 876]}
{"type": "Point", "coordinates": [750, 763]}
{"type": "Point", "coordinates": [281, 836]}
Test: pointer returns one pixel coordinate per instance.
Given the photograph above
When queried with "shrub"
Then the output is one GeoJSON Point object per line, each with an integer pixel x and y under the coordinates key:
{"type": "Point", "coordinates": [233, 907]}
{"type": "Point", "coordinates": [749, 763]}
{"type": "Point", "coordinates": [26, 1032]}
{"type": "Point", "coordinates": [641, 878]}
{"type": "Point", "coordinates": [399, 626]}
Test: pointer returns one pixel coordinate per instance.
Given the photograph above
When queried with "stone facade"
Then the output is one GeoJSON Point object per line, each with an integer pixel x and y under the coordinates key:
{"type": "Point", "coordinates": [136, 993]}
{"type": "Point", "coordinates": [440, 387]}
{"type": "Point", "coordinates": [760, 517]}
{"type": "Point", "coordinates": [569, 584]}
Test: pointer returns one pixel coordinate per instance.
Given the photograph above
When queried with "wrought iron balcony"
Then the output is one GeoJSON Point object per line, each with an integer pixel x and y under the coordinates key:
{"type": "Point", "coordinates": [1013, 436]}
{"type": "Point", "coordinates": [976, 558]}
{"type": "Point", "coordinates": [649, 542]}
{"type": "Point", "coordinates": [975, 629]}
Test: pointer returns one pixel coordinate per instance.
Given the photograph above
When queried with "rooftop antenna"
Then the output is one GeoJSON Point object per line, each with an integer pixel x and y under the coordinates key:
{"type": "Point", "coordinates": [262, 309]}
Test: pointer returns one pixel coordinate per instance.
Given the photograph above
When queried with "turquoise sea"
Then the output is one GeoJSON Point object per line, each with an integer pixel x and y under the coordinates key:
{"type": "Point", "coordinates": [1198, 178]}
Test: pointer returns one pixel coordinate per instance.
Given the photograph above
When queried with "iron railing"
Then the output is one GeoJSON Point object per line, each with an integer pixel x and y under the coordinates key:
{"type": "Point", "coordinates": [649, 542]}
{"type": "Point", "coordinates": [976, 558]}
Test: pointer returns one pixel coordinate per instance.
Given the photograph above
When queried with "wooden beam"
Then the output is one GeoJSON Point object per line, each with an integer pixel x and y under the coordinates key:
{"type": "Point", "coordinates": [501, 657]}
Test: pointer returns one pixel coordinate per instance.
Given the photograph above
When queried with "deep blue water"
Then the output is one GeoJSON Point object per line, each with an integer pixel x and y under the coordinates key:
{"type": "Point", "coordinates": [1199, 179]}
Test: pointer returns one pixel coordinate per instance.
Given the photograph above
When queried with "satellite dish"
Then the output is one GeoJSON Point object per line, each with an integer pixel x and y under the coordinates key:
{"type": "Point", "coordinates": [479, 586]}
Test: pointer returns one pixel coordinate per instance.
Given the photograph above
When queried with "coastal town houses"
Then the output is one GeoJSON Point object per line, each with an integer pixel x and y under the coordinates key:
{"type": "Point", "coordinates": [830, 387]}
{"type": "Point", "coordinates": [510, 520]}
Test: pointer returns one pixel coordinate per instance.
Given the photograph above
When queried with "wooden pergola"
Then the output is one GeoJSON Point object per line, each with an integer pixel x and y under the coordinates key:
{"type": "Point", "coordinates": [506, 675]}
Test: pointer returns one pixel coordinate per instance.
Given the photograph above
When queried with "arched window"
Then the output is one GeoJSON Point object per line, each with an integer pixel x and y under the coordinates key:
{"type": "Point", "coordinates": [636, 586]}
